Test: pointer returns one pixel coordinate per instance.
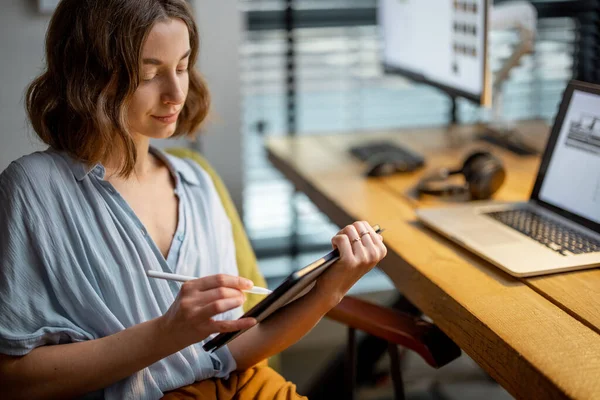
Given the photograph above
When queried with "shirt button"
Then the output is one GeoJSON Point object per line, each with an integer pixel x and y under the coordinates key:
{"type": "Point", "coordinates": [143, 231]}
{"type": "Point", "coordinates": [180, 236]}
{"type": "Point", "coordinates": [99, 170]}
{"type": "Point", "coordinates": [111, 190]}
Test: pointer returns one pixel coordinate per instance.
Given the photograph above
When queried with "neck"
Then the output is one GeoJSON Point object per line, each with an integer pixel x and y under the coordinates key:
{"type": "Point", "coordinates": [144, 161]}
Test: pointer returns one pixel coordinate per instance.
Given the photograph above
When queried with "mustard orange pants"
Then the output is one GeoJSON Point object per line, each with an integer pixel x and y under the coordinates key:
{"type": "Point", "coordinates": [259, 382]}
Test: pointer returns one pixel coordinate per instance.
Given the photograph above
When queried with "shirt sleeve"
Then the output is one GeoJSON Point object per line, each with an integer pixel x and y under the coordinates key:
{"type": "Point", "coordinates": [31, 313]}
{"type": "Point", "coordinates": [226, 361]}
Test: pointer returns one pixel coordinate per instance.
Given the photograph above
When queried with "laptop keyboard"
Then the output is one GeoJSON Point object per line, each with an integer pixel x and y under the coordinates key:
{"type": "Point", "coordinates": [550, 233]}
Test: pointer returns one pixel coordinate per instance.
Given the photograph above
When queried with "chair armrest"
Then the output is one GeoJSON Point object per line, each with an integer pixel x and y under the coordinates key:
{"type": "Point", "coordinates": [414, 333]}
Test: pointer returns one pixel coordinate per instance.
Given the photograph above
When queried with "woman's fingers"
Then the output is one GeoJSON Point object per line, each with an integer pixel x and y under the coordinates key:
{"type": "Point", "coordinates": [211, 295]}
{"type": "Point", "coordinates": [209, 310]}
{"type": "Point", "coordinates": [365, 244]}
{"type": "Point", "coordinates": [355, 242]}
{"type": "Point", "coordinates": [377, 241]}
{"type": "Point", "coordinates": [372, 242]}
{"type": "Point", "coordinates": [190, 318]}
{"type": "Point", "coordinates": [364, 231]}
{"type": "Point", "coordinates": [351, 232]}
{"type": "Point", "coordinates": [342, 243]}
{"type": "Point", "coordinates": [367, 253]}
{"type": "Point", "coordinates": [217, 281]}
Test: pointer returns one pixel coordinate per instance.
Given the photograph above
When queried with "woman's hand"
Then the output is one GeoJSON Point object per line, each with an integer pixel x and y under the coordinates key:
{"type": "Point", "coordinates": [361, 248]}
{"type": "Point", "coordinates": [189, 319]}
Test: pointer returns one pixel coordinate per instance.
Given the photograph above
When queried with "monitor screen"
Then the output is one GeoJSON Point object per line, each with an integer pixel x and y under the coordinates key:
{"type": "Point", "coordinates": [572, 177]}
{"type": "Point", "coordinates": [440, 42]}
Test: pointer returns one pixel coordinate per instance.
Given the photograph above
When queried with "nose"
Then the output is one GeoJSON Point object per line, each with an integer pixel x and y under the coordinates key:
{"type": "Point", "coordinates": [173, 91]}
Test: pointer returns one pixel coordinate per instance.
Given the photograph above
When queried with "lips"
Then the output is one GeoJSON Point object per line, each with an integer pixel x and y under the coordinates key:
{"type": "Point", "coordinates": [167, 119]}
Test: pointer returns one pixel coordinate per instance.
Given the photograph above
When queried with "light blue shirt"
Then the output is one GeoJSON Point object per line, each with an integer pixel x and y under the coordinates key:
{"type": "Point", "coordinates": [73, 257]}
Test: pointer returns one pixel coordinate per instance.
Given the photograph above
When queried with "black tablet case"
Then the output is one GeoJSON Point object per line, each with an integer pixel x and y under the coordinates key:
{"type": "Point", "coordinates": [294, 286]}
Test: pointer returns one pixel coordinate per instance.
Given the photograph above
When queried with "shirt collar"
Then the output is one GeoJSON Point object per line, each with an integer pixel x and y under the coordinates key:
{"type": "Point", "coordinates": [177, 167]}
{"type": "Point", "coordinates": [79, 169]}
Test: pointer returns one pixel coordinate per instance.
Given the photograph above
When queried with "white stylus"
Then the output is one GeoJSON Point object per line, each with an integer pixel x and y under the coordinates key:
{"type": "Point", "coordinates": [185, 278]}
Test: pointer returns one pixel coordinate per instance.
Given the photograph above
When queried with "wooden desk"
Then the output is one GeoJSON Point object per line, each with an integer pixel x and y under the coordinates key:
{"type": "Point", "coordinates": [538, 337]}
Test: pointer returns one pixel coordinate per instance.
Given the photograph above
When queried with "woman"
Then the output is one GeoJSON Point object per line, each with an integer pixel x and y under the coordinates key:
{"type": "Point", "coordinates": [82, 221]}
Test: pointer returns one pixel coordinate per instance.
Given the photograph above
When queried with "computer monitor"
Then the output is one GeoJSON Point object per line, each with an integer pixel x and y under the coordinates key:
{"type": "Point", "coordinates": [444, 43]}
{"type": "Point", "coordinates": [439, 42]}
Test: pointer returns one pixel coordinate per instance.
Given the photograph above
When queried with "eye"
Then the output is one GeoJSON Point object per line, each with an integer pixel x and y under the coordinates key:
{"type": "Point", "coordinates": [182, 70]}
{"type": "Point", "coordinates": [148, 78]}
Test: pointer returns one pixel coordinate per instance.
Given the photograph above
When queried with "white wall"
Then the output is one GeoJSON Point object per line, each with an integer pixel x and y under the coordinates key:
{"type": "Point", "coordinates": [22, 31]}
{"type": "Point", "coordinates": [221, 27]}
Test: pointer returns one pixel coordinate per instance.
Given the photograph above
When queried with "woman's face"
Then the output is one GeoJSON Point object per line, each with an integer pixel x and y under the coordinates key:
{"type": "Point", "coordinates": [158, 100]}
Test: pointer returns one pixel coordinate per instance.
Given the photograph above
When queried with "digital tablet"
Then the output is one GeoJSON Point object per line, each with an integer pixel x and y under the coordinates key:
{"type": "Point", "coordinates": [296, 285]}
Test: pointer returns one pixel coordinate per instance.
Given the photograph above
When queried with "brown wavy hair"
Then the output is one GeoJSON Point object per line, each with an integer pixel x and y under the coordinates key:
{"type": "Point", "coordinates": [93, 56]}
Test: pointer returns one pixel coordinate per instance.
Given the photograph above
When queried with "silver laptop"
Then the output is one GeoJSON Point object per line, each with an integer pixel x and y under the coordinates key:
{"type": "Point", "coordinates": [558, 229]}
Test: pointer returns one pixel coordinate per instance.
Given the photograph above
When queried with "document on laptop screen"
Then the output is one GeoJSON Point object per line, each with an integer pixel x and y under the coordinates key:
{"type": "Point", "coordinates": [572, 180]}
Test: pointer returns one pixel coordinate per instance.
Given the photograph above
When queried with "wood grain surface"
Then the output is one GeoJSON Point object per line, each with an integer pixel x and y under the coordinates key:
{"type": "Point", "coordinates": [538, 337]}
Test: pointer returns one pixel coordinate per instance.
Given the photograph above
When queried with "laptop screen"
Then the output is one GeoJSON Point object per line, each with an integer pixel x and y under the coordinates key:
{"type": "Point", "coordinates": [571, 180]}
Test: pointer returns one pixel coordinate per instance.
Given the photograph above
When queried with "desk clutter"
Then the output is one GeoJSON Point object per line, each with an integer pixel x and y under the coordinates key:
{"type": "Point", "coordinates": [385, 158]}
{"type": "Point", "coordinates": [483, 175]}
{"type": "Point", "coordinates": [517, 329]}
{"type": "Point", "coordinates": [558, 228]}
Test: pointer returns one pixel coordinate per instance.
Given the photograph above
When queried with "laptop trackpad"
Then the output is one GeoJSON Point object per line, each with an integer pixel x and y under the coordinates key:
{"type": "Point", "coordinates": [489, 237]}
